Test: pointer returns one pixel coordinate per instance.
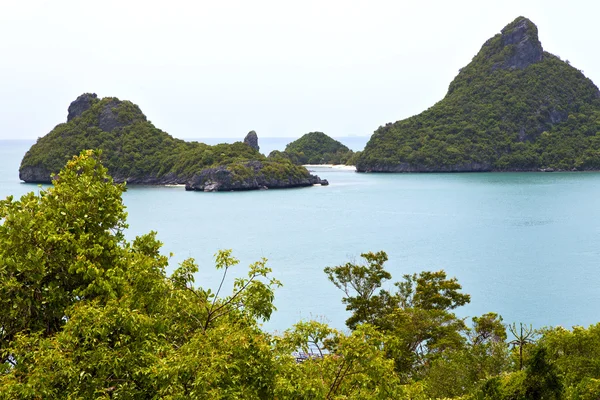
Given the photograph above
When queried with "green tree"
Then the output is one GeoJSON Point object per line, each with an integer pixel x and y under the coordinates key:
{"type": "Point", "coordinates": [485, 356]}
{"type": "Point", "coordinates": [576, 356]}
{"type": "Point", "coordinates": [542, 379]}
{"type": "Point", "coordinates": [87, 314]}
{"type": "Point", "coordinates": [523, 336]}
{"type": "Point", "coordinates": [61, 246]}
{"type": "Point", "coordinates": [359, 283]}
{"type": "Point", "coordinates": [351, 366]}
{"type": "Point", "coordinates": [416, 318]}
{"type": "Point", "coordinates": [488, 329]}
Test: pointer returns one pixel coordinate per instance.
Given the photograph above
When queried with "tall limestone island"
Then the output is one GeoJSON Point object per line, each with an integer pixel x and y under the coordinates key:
{"type": "Point", "coordinates": [136, 152]}
{"type": "Point", "coordinates": [515, 107]}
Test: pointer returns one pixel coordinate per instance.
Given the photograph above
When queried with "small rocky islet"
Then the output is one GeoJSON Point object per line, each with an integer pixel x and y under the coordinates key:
{"type": "Point", "coordinates": [316, 148]}
{"type": "Point", "coordinates": [136, 152]}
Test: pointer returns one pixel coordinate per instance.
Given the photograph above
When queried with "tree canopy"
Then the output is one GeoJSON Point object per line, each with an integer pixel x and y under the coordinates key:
{"type": "Point", "coordinates": [85, 313]}
{"type": "Point", "coordinates": [315, 148]}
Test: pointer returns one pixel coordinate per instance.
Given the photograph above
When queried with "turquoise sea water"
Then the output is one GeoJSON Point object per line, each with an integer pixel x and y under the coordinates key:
{"type": "Point", "coordinates": [525, 245]}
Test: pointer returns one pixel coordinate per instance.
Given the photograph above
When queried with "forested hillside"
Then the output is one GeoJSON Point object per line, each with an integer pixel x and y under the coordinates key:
{"type": "Point", "coordinates": [137, 152]}
{"type": "Point", "coordinates": [514, 107]}
{"type": "Point", "coordinates": [315, 148]}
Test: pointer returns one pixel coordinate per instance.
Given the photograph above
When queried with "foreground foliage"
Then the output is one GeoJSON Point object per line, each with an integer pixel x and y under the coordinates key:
{"type": "Point", "coordinates": [84, 313]}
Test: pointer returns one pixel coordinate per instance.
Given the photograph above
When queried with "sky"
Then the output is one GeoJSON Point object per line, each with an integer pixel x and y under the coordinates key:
{"type": "Point", "coordinates": [201, 69]}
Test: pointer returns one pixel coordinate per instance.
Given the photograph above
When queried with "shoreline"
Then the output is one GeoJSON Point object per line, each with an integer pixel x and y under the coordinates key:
{"type": "Point", "coordinates": [332, 166]}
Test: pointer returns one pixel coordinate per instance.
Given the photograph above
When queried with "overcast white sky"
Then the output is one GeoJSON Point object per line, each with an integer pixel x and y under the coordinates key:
{"type": "Point", "coordinates": [220, 68]}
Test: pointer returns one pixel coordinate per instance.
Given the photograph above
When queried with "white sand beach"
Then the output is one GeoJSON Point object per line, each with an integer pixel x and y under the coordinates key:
{"type": "Point", "coordinates": [339, 166]}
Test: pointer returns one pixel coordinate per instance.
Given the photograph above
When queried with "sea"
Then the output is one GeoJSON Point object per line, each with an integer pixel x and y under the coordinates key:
{"type": "Point", "coordinates": [523, 245]}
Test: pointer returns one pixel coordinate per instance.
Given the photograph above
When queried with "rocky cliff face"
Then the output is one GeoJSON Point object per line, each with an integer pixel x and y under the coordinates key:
{"type": "Point", "coordinates": [35, 174]}
{"type": "Point", "coordinates": [525, 47]}
{"type": "Point", "coordinates": [81, 104]}
{"type": "Point", "coordinates": [108, 119]}
{"type": "Point", "coordinates": [251, 140]}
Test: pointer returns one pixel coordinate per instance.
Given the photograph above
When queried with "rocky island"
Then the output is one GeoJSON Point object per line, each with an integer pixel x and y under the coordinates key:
{"type": "Point", "coordinates": [515, 107]}
{"type": "Point", "coordinates": [315, 148]}
{"type": "Point", "coordinates": [136, 152]}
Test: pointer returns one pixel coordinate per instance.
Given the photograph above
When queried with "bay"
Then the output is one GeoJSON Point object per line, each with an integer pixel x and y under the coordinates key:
{"type": "Point", "coordinates": [524, 245]}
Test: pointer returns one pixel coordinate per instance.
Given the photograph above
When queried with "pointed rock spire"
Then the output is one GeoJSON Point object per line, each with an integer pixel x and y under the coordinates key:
{"type": "Point", "coordinates": [251, 140]}
{"type": "Point", "coordinates": [80, 105]}
{"type": "Point", "coordinates": [522, 34]}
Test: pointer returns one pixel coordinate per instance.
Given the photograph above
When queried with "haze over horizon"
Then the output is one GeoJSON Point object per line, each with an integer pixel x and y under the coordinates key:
{"type": "Point", "coordinates": [221, 69]}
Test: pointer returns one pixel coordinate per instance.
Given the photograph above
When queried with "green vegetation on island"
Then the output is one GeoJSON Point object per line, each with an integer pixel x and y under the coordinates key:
{"type": "Point", "coordinates": [315, 148]}
{"type": "Point", "coordinates": [85, 313]}
{"type": "Point", "coordinates": [515, 107]}
{"type": "Point", "coordinates": [137, 152]}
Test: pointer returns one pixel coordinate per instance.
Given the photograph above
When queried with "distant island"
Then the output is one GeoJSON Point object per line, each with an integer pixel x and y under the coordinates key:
{"type": "Point", "coordinates": [136, 152]}
{"type": "Point", "coordinates": [315, 148]}
{"type": "Point", "coordinates": [515, 107]}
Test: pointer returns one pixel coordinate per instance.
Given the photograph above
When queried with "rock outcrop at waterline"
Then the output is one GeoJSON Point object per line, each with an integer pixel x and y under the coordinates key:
{"type": "Point", "coordinates": [514, 107]}
{"type": "Point", "coordinates": [222, 179]}
{"type": "Point", "coordinates": [136, 152]}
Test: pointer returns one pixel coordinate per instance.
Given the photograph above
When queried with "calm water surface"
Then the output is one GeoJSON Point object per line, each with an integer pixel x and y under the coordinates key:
{"type": "Point", "coordinates": [525, 245]}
